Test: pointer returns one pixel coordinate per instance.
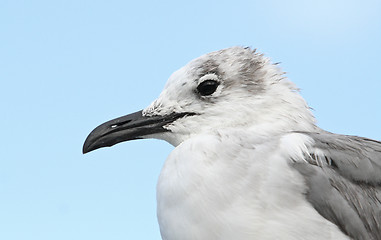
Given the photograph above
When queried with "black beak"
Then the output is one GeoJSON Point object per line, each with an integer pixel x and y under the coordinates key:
{"type": "Point", "coordinates": [129, 127]}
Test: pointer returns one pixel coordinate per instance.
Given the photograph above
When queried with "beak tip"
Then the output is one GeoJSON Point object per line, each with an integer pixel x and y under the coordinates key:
{"type": "Point", "coordinates": [88, 146]}
{"type": "Point", "coordinates": [85, 149]}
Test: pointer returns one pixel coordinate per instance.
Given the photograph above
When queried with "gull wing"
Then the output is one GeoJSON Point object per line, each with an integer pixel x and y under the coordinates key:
{"type": "Point", "coordinates": [343, 176]}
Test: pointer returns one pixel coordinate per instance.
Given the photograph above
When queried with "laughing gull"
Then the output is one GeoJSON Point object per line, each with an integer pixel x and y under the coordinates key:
{"type": "Point", "coordinates": [249, 161]}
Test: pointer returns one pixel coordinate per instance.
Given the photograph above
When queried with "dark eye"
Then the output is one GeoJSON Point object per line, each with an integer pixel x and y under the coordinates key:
{"type": "Point", "coordinates": [207, 87]}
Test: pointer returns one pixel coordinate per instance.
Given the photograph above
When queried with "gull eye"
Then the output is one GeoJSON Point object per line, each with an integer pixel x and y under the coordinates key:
{"type": "Point", "coordinates": [207, 87]}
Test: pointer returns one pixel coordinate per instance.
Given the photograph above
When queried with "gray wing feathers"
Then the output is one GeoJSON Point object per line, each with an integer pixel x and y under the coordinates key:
{"type": "Point", "coordinates": [346, 189]}
{"type": "Point", "coordinates": [356, 158]}
{"type": "Point", "coordinates": [330, 203]}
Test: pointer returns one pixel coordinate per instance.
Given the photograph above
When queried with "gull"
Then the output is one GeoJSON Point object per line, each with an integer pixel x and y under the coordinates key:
{"type": "Point", "coordinates": [249, 160]}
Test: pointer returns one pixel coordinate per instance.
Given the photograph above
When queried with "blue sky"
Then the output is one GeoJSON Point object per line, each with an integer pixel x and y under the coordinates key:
{"type": "Point", "coordinates": [67, 66]}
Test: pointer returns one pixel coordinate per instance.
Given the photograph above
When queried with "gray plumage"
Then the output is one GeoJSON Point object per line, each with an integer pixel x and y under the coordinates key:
{"type": "Point", "coordinates": [345, 184]}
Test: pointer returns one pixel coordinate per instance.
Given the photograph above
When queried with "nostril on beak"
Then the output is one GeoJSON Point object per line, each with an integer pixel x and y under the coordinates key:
{"type": "Point", "coordinates": [120, 124]}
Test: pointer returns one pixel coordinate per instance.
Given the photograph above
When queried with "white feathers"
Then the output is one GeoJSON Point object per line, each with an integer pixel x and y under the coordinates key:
{"type": "Point", "coordinates": [231, 185]}
{"type": "Point", "coordinates": [296, 146]}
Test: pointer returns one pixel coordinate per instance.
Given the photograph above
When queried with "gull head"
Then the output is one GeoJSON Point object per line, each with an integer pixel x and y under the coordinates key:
{"type": "Point", "coordinates": [234, 89]}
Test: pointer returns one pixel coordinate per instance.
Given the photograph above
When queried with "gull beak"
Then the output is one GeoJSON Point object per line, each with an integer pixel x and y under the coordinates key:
{"type": "Point", "coordinates": [129, 127]}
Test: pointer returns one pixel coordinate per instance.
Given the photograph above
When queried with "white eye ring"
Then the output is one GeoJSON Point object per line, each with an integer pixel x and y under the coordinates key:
{"type": "Point", "coordinates": [208, 85]}
{"type": "Point", "coordinates": [209, 76]}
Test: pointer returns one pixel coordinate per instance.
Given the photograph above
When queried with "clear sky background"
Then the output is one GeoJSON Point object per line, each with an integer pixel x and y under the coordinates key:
{"type": "Point", "coordinates": [67, 66]}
